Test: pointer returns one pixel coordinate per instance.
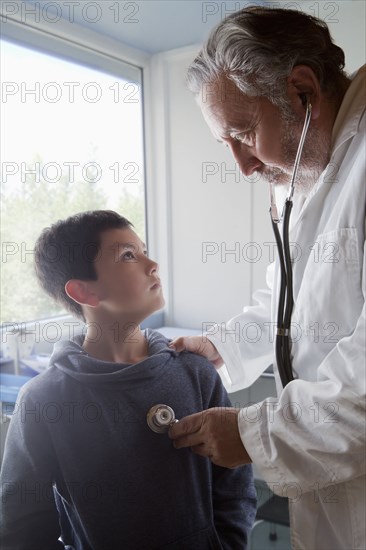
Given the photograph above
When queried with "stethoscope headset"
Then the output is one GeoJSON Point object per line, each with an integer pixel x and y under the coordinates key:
{"type": "Point", "coordinates": [286, 299]}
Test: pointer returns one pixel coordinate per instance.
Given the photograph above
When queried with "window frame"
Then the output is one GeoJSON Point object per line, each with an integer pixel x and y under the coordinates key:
{"type": "Point", "coordinates": [72, 42]}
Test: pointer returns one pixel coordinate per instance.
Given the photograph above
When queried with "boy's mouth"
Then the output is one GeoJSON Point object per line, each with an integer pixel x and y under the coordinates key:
{"type": "Point", "coordinates": [155, 286]}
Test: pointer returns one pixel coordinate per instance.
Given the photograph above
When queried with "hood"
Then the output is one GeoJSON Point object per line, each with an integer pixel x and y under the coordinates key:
{"type": "Point", "coordinates": [70, 358]}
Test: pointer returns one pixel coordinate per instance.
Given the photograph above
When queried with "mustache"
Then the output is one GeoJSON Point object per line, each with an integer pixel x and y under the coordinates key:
{"type": "Point", "coordinates": [275, 174]}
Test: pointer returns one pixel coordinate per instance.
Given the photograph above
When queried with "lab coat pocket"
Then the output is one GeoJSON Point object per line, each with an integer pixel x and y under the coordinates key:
{"type": "Point", "coordinates": [329, 298]}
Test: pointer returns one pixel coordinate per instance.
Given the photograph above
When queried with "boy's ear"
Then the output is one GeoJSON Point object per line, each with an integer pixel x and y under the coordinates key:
{"type": "Point", "coordinates": [81, 292]}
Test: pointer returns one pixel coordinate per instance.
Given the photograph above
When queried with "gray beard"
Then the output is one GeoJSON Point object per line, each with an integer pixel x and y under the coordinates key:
{"type": "Point", "coordinates": [315, 156]}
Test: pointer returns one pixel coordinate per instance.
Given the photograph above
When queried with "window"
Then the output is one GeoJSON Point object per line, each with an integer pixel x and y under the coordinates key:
{"type": "Point", "coordinates": [72, 140]}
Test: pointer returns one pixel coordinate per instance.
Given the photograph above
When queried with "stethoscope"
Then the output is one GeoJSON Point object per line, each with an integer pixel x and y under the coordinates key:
{"type": "Point", "coordinates": [285, 300]}
{"type": "Point", "coordinates": [160, 418]}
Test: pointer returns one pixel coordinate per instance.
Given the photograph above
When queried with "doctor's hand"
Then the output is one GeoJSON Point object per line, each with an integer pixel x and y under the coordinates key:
{"type": "Point", "coordinates": [213, 433]}
{"type": "Point", "coordinates": [200, 345]}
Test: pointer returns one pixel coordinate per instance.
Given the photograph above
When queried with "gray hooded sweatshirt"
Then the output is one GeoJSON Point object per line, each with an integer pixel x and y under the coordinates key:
{"type": "Point", "coordinates": [82, 466]}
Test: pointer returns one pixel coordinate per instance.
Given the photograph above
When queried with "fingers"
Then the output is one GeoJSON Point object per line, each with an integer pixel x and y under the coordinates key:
{"type": "Point", "coordinates": [192, 440]}
{"type": "Point", "coordinates": [217, 363]}
{"type": "Point", "coordinates": [194, 430]}
{"type": "Point", "coordinates": [212, 433]}
{"type": "Point", "coordinates": [188, 343]}
{"type": "Point", "coordinates": [178, 344]}
{"type": "Point", "coordinates": [188, 433]}
{"type": "Point", "coordinates": [202, 450]}
{"type": "Point", "coordinates": [200, 345]}
{"type": "Point", "coordinates": [185, 433]}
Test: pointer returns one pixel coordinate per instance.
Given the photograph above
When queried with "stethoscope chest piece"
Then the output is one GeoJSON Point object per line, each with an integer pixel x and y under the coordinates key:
{"type": "Point", "coordinates": [160, 418]}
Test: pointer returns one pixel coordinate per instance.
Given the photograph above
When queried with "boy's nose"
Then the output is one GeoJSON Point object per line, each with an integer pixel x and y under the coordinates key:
{"type": "Point", "coordinates": [154, 267]}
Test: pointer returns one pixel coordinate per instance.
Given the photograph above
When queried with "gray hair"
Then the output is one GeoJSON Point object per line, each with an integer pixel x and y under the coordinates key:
{"type": "Point", "coordinates": [258, 47]}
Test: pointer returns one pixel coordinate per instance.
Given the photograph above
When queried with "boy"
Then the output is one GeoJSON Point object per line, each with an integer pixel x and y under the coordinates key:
{"type": "Point", "coordinates": [81, 465]}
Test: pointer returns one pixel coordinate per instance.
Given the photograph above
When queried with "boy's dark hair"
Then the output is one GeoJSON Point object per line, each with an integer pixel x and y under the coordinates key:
{"type": "Point", "coordinates": [67, 250]}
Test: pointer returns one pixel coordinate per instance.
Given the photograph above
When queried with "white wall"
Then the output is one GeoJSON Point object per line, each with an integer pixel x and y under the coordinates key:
{"type": "Point", "coordinates": [208, 212]}
{"type": "Point", "coordinates": [346, 22]}
{"type": "Point", "coordinates": [189, 208]}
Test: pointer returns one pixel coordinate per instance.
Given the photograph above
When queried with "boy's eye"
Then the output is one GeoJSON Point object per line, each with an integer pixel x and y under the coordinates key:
{"type": "Point", "coordinates": [128, 255]}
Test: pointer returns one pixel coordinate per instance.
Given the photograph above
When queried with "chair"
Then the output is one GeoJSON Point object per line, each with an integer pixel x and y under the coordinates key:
{"type": "Point", "coordinates": [275, 512]}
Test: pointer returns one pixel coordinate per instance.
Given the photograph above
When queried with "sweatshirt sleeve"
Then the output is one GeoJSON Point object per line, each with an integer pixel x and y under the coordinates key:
{"type": "Point", "coordinates": [233, 490]}
{"type": "Point", "coordinates": [28, 514]}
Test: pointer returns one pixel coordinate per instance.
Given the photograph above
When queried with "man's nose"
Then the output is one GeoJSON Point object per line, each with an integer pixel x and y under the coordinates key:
{"type": "Point", "coordinates": [247, 161]}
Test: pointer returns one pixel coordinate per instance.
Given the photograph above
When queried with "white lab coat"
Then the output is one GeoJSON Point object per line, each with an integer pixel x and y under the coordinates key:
{"type": "Point", "coordinates": [309, 444]}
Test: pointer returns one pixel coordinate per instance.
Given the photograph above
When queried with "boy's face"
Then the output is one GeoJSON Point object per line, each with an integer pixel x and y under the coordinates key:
{"type": "Point", "coordinates": [128, 281]}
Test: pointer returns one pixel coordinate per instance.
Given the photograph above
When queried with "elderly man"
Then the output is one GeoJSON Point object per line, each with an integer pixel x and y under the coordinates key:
{"type": "Point", "coordinates": [262, 73]}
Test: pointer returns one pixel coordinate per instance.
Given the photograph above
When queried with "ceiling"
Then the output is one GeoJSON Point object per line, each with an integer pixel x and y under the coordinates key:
{"type": "Point", "coordinates": [158, 25]}
{"type": "Point", "coordinates": [152, 26]}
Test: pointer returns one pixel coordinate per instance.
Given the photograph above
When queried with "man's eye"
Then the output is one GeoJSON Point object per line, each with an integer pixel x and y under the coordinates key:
{"type": "Point", "coordinates": [246, 138]}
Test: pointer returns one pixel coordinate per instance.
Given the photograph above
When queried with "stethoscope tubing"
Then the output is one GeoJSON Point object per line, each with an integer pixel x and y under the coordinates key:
{"type": "Point", "coordinates": [286, 298]}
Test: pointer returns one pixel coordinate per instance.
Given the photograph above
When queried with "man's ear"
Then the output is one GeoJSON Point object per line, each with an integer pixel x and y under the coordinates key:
{"type": "Point", "coordinates": [303, 86]}
{"type": "Point", "coordinates": [81, 292]}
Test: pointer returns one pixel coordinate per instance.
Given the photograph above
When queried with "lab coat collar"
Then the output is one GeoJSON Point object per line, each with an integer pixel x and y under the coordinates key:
{"type": "Point", "coordinates": [353, 106]}
{"type": "Point", "coordinates": [345, 127]}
